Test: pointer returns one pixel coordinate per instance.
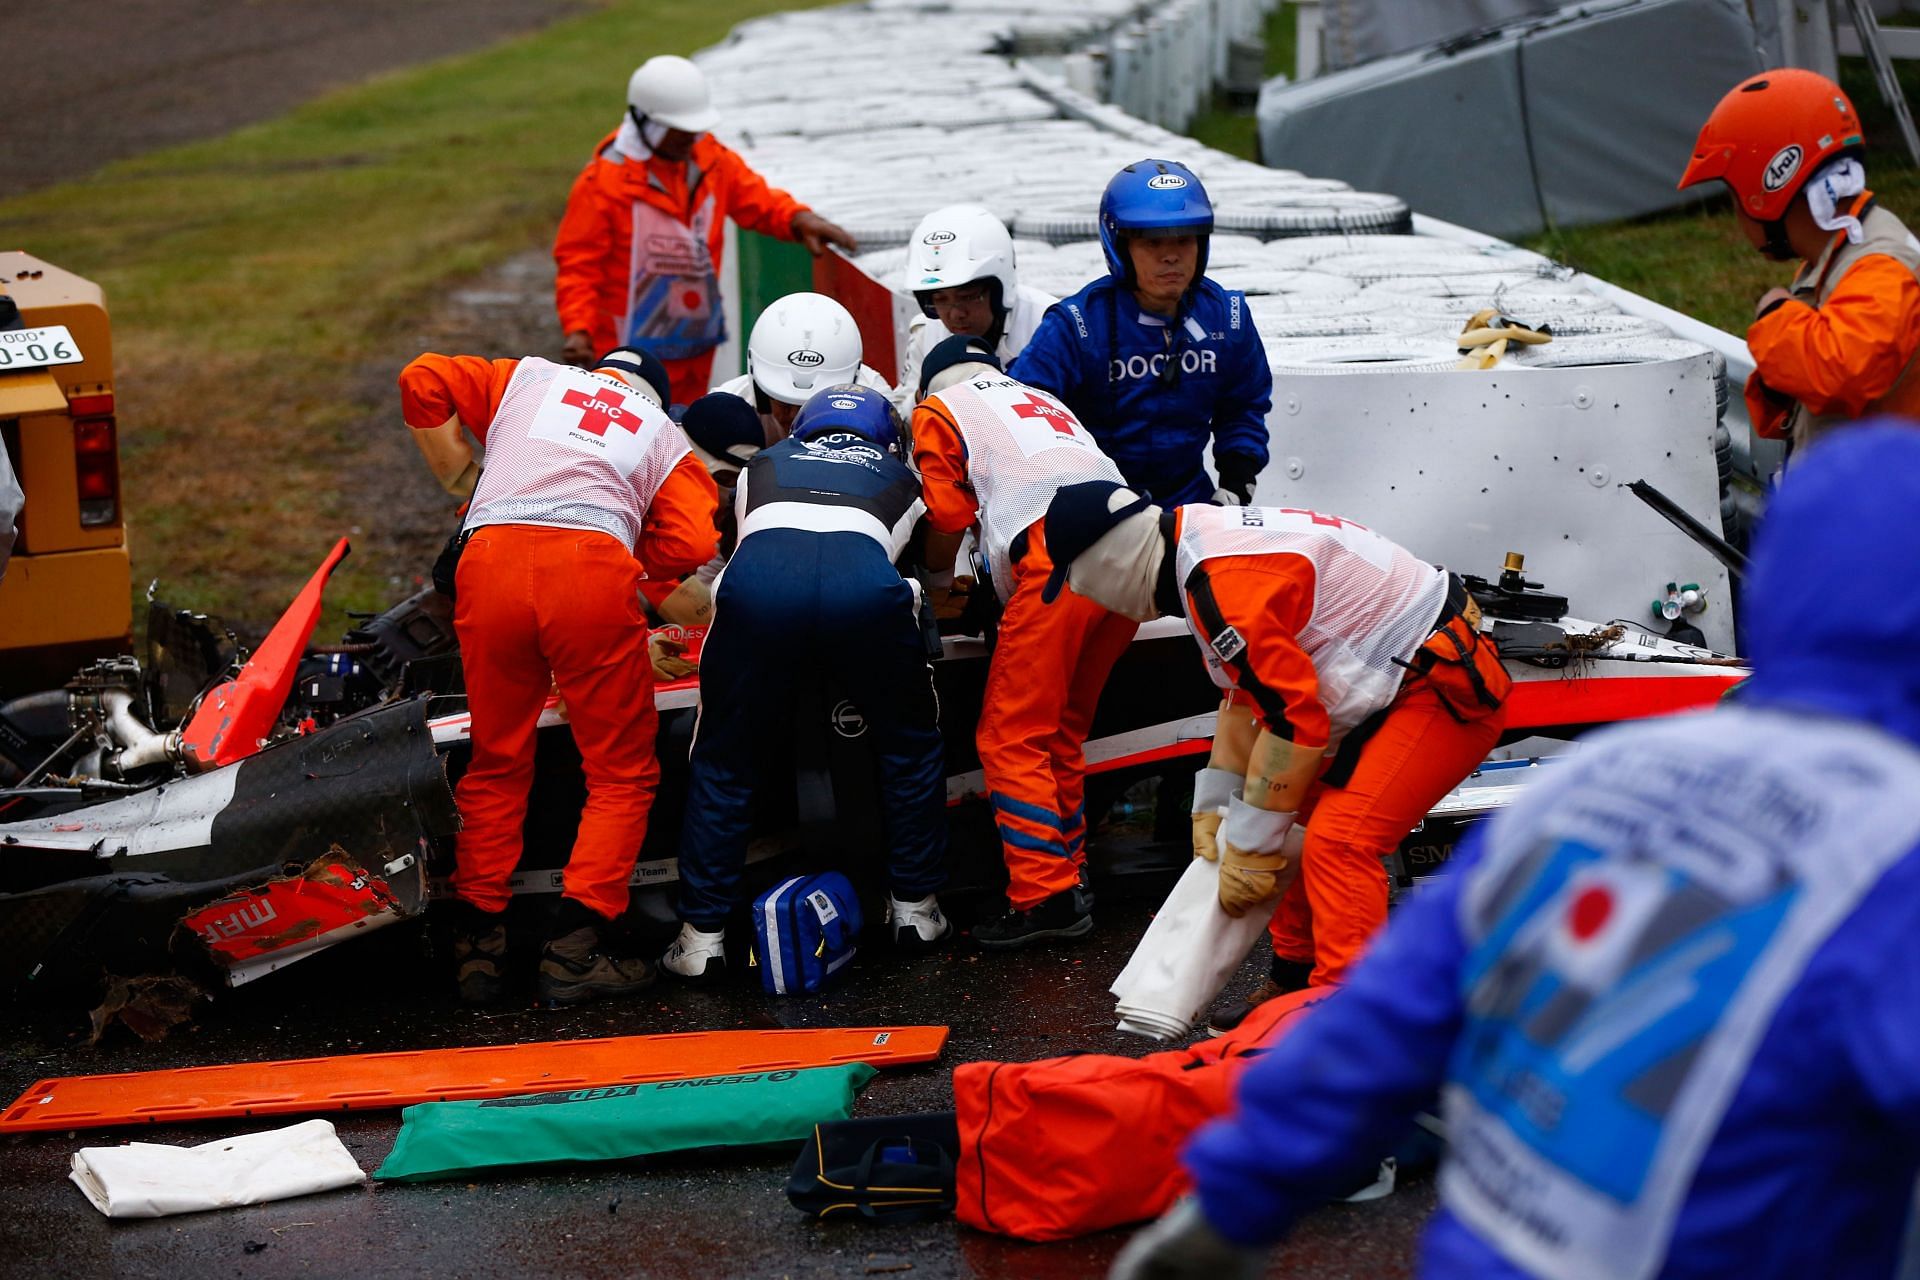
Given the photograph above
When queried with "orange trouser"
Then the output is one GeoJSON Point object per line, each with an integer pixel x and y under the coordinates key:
{"type": "Point", "coordinates": [534, 601]}
{"type": "Point", "coordinates": [1419, 753]}
{"type": "Point", "coordinates": [1049, 666]}
{"type": "Point", "coordinates": [691, 378]}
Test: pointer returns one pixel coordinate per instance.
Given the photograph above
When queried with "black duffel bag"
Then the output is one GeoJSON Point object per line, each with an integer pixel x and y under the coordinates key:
{"type": "Point", "coordinates": [889, 1169]}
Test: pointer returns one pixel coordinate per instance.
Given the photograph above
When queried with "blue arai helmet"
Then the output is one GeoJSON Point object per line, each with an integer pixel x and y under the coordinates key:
{"type": "Point", "coordinates": [849, 407]}
{"type": "Point", "coordinates": [1152, 198]}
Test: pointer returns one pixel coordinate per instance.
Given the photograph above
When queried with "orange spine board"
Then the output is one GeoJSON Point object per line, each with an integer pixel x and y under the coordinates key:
{"type": "Point", "coordinates": [373, 1081]}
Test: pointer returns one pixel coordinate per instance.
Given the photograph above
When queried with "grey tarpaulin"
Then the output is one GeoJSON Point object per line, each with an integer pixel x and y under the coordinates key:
{"type": "Point", "coordinates": [1584, 116]}
{"type": "Point", "coordinates": [1354, 31]}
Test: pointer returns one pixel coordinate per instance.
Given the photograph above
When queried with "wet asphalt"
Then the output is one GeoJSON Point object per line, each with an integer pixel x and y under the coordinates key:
{"type": "Point", "coordinates": [706, 1214]}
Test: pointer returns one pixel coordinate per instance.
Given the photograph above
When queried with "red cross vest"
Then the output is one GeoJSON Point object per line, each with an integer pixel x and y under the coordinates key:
{"type": "Point", "coordinates": [1373, 600]}
{"type": "Point", "coordinates": [570, 449]}
{"type": "Point", "coordinates": [1022, 446]}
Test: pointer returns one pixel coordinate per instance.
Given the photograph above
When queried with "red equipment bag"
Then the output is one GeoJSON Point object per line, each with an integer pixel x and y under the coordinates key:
{"type": "Point", "coordinates": [1064, 1146]}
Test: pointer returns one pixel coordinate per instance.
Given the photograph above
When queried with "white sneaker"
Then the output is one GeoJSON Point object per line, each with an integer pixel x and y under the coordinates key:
{"type": "Point", "coordinates": [1380, 1187]}
{"type": "Point", "coordinates": [695, 954]}
{"type": "Point", "coordinates": [917, 924]}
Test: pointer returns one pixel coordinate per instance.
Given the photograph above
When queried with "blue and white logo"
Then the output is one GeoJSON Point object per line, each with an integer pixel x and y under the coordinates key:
{"type": "Point", "coordinates": [1166, 182]}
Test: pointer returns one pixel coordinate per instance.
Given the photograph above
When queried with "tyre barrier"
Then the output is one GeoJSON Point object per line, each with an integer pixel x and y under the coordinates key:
{"type": "Point", "coordinates": [1368, 267]}
{"type": "Point", "coordinates": [1368, 353]}
{"type": "Point", "coordinates": [1308, 250]}
{"type": "Point", "coordinates": [1336, 324]}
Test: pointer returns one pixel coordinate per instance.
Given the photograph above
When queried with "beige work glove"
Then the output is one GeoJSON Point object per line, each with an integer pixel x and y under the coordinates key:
{"type": "Point", "coordinates": [1212, 791]}
{"type": "Point", "coordinates": [1255, 865]}
{"type": "Point", "coordinates": [669, 655]}
{"type": "Point", "coordinates": [688, 605]}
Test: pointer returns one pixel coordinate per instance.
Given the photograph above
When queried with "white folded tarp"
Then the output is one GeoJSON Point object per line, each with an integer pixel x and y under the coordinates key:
{"type": "Point", "coordinates": [1187, 954]}
{"type": "Point", "coordinates": [152, 1180]}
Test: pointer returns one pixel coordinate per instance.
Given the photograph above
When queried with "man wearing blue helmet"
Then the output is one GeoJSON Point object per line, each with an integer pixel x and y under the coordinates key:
{"type": "Point", "coordinates": [1155, 359]}
{"type": "Point", "coordinates": [821, 517]}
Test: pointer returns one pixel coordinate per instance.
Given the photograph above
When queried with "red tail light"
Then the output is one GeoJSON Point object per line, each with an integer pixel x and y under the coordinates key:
{"type": "Point", "coordinates": [96, 467]}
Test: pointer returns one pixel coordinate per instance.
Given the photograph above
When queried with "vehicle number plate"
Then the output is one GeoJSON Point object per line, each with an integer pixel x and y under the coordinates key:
{"type": "Point", "coordinates": [36, 348]}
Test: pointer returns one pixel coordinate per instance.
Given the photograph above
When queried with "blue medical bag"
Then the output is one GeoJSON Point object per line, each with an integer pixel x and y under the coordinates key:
{"type": "Point", "coordinates": [804, 932]}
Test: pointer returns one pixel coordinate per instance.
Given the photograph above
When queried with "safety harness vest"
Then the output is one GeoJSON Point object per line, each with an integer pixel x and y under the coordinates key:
{"type": "Point", "coordinates": [1633, 929]}
{"type": "Point", "coordinates": [570, 449]}
{"type": "Point", "coordinates": [1374, 603]}
{"type": "Point", "coordinates": [1881, 232]}
{"type": "Point", "coordinates": [1022, 445]}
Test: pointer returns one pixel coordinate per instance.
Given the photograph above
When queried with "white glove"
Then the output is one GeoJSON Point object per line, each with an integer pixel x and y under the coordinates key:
{"type": "Point", "coordinates": [1212, 790]}
{"type": "Point", "coordinates": [1182, 1246]}
{"type": "Point", "coordinates": [1254, 864]}
{"type": "Point", "coordinates": [1227, 498]}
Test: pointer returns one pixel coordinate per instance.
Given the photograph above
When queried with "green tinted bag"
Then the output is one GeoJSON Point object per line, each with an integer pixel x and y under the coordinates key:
{"type": "Point", "coordinates": [450, 1139]}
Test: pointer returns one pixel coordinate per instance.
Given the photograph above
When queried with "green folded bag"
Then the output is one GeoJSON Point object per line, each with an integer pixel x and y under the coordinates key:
{"type": "Point", "coordinates": [448, 1139]}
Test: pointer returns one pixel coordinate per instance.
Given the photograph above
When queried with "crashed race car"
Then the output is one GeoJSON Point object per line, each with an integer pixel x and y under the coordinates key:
{"type": "Point", "coordinates": [230, 814]}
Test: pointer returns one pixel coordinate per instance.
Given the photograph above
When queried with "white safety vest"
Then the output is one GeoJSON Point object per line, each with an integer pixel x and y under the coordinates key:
{"type": "Point", "coordinates": [574, 450]}
{"type": "Point", "coordinates": [1373, 601]}
{"type": "Point", "coordinates": [1022, 446]}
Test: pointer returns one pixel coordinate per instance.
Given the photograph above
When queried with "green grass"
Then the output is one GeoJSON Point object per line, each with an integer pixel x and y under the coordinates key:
{"type": "Point", "coordinates": [1235, 131]}
{"type": "Point", "coordinates": [251, 277]}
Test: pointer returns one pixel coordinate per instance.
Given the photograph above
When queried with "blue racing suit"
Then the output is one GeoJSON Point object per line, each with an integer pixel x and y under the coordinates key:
{"type": "Point", "coordinates": [811, 589]}
{"type": "Point", "coordinates": [1153, 391]}
{"type": "Point", "coordinates": [1671, 998]}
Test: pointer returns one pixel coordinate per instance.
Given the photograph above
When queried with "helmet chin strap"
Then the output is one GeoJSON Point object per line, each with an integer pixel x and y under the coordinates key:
{"type": "Point", "coordinates": [643, 123]}
{"type": "Point", "coordinates": [1001, 306]}
{"type": "Point", "coordinates": [1777, 246]}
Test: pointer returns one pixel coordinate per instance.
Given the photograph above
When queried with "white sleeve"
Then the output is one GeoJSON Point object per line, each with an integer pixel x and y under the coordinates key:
{"type": "Point", "coordinates": [1030, 305]}
{"type": "Point", "coordinates": [918, 331]}
{"type": "Point", "coordinates": [902, 531]}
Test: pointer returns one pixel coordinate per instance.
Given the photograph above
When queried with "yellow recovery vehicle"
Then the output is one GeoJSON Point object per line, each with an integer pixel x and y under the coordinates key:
{"type": "Point", "coordinates": [67, 595]}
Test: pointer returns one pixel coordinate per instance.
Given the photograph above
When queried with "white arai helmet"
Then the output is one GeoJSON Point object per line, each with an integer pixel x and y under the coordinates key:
{"type": "Point", "coordinates": [958, 245]}
{"type": "Point", "coordinates": [803, 342]}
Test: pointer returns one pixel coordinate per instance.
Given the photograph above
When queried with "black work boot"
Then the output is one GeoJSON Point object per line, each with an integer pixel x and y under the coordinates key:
{"type": "Point", "coordinates": [479, 952]}
{"type": "Point", "coordinates": [575, 966]}
{"type": "Point", "coordinates": [1067, 914]}
{"type": "Point", "coordinates": [1283, 976]}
